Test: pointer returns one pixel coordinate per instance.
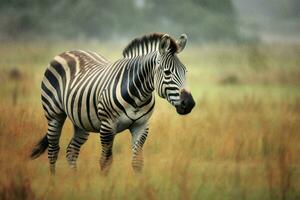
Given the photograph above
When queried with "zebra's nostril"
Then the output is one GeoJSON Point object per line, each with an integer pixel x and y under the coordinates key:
{"type": "Point", "coordinates": [183, 104]}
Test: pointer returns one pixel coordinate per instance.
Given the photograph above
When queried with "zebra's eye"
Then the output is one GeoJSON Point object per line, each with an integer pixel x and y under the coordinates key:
{"type": "Point", "coordinates": [167, 72]}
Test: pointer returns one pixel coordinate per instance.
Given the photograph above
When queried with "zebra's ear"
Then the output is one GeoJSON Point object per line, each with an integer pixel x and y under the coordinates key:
{"type": "Point", "coordinates": [181, 42]}
{"type": "Point", "coordinates": [164, 44]}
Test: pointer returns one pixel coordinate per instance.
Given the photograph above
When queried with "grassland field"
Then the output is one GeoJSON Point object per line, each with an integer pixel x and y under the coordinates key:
{"type": "Point", "coordinates": [242, 140]}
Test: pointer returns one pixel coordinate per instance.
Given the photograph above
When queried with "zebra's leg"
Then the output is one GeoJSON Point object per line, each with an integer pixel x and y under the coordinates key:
{"type": "Point", "coordinates": [53, 135]}
{"type": "Point", "coordinates": [107, 139]}
{"type": "Point", "coordinates": [139, 134]}
{"type": "Point", "coordinates": [73, 149]}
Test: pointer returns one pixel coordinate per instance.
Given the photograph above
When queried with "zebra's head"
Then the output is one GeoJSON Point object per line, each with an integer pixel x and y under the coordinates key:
{"type": "Point", "coordinates": [170, 76]}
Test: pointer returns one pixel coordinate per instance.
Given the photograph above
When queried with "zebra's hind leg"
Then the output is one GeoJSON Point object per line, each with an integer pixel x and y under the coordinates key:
{"type": "Point", "coordinates": [53, 135]}
{"type": "Point", "coordinates": [73, 149]}
{"type": "Point", "coordinates": [139, 134]}
{"type": "Point", "coordinates": [107, 139]}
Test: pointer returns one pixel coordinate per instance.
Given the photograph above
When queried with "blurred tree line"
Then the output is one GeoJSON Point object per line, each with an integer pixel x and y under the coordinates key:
{"type": "Point", "coordinates": [202, 20]}
{"type": "Point", "coordinates": [110, 19]}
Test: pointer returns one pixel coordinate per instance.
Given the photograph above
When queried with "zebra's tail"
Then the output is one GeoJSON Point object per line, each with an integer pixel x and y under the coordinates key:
{"type": "Point", "coordinates": [40, 148]}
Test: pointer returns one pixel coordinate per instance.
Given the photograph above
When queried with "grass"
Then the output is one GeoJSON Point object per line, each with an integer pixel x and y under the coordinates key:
{"type": "Point", "coordinates": [241, 141]}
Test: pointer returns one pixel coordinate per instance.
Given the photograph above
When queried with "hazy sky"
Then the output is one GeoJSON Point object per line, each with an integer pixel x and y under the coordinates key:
{"type": "Point", "coordinates": [270, 19]}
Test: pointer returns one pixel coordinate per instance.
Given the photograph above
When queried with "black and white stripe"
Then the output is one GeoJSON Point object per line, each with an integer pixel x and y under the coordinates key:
{"type": "Point", "coordinates": [109, 97]}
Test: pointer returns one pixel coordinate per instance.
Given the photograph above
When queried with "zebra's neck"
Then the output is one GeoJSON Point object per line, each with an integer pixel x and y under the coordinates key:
{"type": "Point", "coordinates": [141, 71]}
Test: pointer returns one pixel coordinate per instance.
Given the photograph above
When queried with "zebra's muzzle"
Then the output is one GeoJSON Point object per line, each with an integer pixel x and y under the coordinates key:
{"type": "Point", "coordinates": [187, 103]}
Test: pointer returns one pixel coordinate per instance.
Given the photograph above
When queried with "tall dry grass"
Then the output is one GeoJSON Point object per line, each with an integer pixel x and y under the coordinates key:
{"type": "Point", "coordinates": [225, 150]}
{"type": "Point", "coordinates": [241, 142]}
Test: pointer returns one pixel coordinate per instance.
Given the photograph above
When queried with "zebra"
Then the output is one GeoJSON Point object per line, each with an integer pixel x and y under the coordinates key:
{"type": "Point", "coordinates": [109, 97]}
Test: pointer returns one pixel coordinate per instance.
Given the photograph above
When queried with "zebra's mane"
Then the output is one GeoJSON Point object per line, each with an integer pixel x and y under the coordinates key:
{"type": "Point", "coordinates": [146, 44]}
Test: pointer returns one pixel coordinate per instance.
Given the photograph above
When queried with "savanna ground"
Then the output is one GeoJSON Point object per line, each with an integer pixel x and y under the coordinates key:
{"type": "Point", "coordinates": [242, 140]}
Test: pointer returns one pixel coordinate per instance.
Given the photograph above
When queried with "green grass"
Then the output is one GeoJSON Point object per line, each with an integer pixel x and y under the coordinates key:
{"type": "Point", "coordinates": [240, 142]}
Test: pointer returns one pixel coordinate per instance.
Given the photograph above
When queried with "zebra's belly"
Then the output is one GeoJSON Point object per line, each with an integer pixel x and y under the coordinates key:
{"type": "Point", "coordinates": [85, 120]}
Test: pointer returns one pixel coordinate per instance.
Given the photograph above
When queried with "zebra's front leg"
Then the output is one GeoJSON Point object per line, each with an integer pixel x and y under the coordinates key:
{"type": "Point", "coordinates": [139, 134]}
{"type": "Point", "coordinates": [107, 139]}
{"type": "Point", "coordinates": [73, 149]}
